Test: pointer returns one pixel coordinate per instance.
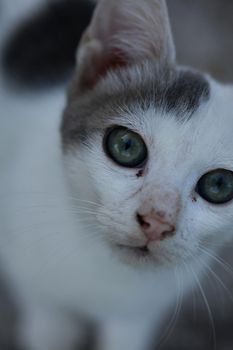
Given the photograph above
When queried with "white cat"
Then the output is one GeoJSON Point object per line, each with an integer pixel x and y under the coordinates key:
{"type": "Point", "coordinates": [105, 212]}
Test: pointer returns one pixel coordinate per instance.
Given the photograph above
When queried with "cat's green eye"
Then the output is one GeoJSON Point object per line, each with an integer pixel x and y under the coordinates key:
{"type": "Point", "coordinates": [125, 147]}
{"type": "Point", "coordinates": [216, 186]}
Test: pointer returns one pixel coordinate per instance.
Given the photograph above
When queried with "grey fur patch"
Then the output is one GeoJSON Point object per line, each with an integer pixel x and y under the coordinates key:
{"type": "Point", "coordinates": [176, 91]}
{"type": "Point", "coordinates": [186, 92]}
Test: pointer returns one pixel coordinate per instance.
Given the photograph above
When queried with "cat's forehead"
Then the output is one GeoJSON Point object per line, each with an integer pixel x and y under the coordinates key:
{"type": "Point", "coordinates": [178, 105]}
{"type": "Point", "coordinates": [127, 95]}
{"type": "Point", "coordinates": [180, 91]}
{"type": "Point", "coordinates": [202, 139]}
{"type": "Point", "coordinates": [184, 117]}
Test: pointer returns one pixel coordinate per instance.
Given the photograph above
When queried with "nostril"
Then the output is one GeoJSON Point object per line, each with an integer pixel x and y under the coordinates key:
{"type": "Point", "coordinates": [139, 219]}
{"type": "Point", "coordinates": [142, 222]}
{"type": "Point", "coordinates": [168, 234]}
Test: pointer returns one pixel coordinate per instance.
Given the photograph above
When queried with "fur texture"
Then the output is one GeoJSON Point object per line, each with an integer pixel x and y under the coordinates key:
{"type": "Point", "coordinates": [64, 217]}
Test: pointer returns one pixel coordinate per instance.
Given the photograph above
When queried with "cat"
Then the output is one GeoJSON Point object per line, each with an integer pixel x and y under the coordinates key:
{"type": "Point", "coordinates": [106, 210]}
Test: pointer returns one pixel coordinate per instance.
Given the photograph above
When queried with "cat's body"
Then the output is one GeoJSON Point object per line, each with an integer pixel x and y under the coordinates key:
{"type": "Point", "coordinates": [61, 195]}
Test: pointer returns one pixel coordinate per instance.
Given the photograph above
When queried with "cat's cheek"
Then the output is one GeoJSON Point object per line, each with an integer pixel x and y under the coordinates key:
{"type": "Point", "coordinates": [120, 223]}
{"type": "Point", "coordinates": [206, 225]}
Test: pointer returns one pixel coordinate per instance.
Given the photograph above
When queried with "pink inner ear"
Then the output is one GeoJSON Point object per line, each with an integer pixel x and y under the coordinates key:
{"type": "Point", "coordinates": [123, 33]}
{"type": "Point", "coordinates": [108, 61]}
{"type": "Point", "coordinates": [113, 60]}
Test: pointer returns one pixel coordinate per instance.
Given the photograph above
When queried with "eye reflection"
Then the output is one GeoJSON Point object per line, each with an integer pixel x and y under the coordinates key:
{"type": "Point", "coordinates": [216, 186]}
{"type": "Point", "coordinates": [125, 147]}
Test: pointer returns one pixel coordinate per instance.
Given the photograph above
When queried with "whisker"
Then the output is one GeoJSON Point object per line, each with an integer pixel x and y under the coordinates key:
{"type": "Point", "coordinates": [42, 208]}
{"type": "Point", "coordinates": [206, 304]}
{"type": "Point", "coordinates": [219, 280]}
{"type": "Point", "coordinates": [218, 245]}
{"type": "Point", "coordinates": [41, 225]}
{"type": "Point", "coordinates": [217, 259]}
{"type": "Point", "coordinates": [172, 323]}
{"type": "Point", "coordinates": [51, 195]}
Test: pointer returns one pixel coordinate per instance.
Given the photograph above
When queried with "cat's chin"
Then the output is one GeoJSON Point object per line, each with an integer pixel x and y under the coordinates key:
{"type": "Point", "coordinates": [153, 256]}
{"type": "Point", "coordinates": [139, 252]}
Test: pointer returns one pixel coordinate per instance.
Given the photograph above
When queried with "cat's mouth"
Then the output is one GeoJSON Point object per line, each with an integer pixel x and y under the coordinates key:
{"type": "Point", "coordinates": [140, 252]}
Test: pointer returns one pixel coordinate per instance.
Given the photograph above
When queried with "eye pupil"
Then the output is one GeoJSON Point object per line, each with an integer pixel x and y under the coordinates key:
{"type": "Point", "coordinates": [216, 186]}
{"type": "Point", "coordinates": [220, 182]}
{"type": "Point", "coordinates": [125, 147]}
{"type": "Point", "coordinates": [128, 144]}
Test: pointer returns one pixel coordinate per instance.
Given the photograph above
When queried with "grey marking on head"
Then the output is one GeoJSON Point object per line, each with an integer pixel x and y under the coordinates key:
{"type": "Point", "coordinates": [186, 92]}
{"type": "Point", "coordinates": [177, 91]}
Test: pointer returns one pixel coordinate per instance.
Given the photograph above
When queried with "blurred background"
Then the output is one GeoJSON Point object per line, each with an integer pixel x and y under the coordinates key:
{"type": "Point", "coordinates": [203, 33]}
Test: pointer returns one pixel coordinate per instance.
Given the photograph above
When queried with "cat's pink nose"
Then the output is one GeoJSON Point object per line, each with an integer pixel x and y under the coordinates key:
{"type": "Point", "coordinates": [155, 227]}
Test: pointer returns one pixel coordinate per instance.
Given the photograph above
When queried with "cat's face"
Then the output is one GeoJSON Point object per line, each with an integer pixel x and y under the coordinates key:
{"type": "Point", "coordinates": [174, 147]}
{"type": "Point", "coordinates": [158, 158]}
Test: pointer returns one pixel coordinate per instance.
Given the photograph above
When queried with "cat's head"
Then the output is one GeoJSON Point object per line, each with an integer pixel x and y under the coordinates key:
{"type": "Point", "coordinates": [146, 140]}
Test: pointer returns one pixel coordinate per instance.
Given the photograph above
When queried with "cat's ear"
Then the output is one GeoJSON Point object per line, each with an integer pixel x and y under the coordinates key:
{"type": "Point", "coordinates": [124, 33]}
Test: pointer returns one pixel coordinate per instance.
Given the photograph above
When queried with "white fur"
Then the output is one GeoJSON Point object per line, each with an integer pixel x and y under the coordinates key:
{"type": "Point", "coordinates": [54, 252]}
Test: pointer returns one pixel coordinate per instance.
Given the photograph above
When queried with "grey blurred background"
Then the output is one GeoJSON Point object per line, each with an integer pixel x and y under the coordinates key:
{"type": "Point", "coordinates": [203, 32]}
